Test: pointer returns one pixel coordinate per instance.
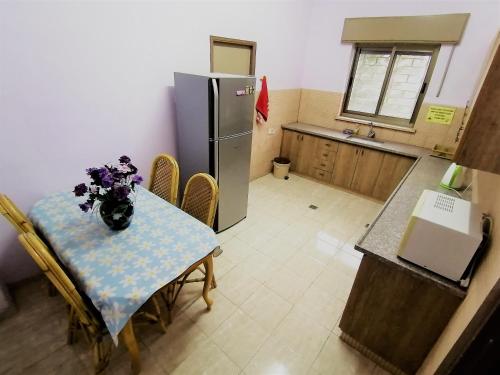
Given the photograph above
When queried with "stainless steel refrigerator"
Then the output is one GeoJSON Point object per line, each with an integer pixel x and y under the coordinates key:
{"type": "Point", "coordinates": [214, 135]}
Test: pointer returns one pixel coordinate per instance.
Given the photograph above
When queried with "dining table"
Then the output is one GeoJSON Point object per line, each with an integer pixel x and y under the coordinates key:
{"type": "Point", "coordinates": [120, 270]}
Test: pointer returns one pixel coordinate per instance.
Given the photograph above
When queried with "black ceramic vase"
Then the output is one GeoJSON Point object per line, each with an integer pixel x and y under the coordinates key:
{"type": "Point", "coordinates": [117, 215]}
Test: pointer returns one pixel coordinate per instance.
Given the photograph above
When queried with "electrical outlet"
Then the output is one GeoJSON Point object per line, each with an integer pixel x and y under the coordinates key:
{"type": "Point", "coordinates": [271, 131]}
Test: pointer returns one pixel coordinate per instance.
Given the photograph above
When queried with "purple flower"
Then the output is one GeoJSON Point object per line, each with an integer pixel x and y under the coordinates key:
{"type": "Point", "coordinates": [85, 207]}
{"type": "Point", "coordinates": [80, 190]}
{"type": "Point", "coordinates": [137, 179]}
{"type": "Point", "coordinates": [107, 181]}
{"type": "Point", "coordinates": [90, 171]}
{"type": "Point", "coordinates": [121, 192]}
{"type": "Point", "coordinates": [124, 159]}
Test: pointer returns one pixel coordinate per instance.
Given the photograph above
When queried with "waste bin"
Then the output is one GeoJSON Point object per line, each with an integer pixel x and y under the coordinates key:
{"type": "Point", "coordinates": [281, 167]}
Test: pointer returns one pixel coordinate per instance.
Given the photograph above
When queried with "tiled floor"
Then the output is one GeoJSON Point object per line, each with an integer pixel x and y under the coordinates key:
{"type": "Point", "coordinates": [283, 281]}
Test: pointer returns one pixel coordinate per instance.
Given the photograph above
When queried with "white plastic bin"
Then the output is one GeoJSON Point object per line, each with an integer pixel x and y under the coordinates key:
{"type": "Point", "coordinates": [281, 167]}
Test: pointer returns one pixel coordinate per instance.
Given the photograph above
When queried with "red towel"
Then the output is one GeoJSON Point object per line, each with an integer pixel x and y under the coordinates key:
{"type": "Point", "coordinates": [262, 105]}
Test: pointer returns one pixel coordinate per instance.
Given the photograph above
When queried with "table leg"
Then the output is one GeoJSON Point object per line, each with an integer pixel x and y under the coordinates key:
{"type": "Point", "coordinates": [209, 275]}
{"type": "Point", "coordinates": [128, 337]}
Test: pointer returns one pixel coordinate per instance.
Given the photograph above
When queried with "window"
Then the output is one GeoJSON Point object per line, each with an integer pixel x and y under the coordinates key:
{"type": "Point", "coordinates": [387, 84]}
{"type": "Point", "coordinates": [232, 56]}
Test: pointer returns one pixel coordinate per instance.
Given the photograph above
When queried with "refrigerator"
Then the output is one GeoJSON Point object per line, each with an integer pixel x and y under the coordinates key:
{"type": "Point", "coordinates": [214, 135]}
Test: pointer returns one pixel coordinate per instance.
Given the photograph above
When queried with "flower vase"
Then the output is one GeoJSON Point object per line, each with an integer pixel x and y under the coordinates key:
{"type": "Point", "coordinates": [117, 215]}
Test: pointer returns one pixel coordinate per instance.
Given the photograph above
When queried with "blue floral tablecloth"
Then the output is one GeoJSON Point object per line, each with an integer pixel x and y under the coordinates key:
{"type": "Point", "coordinates": [120, 271]}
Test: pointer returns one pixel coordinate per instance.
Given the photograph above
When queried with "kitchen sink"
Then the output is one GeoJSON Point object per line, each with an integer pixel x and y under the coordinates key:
{"type": "Point", "coordinates": [364, 138]}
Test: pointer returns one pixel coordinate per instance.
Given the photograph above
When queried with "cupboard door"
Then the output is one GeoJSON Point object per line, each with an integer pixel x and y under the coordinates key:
{"type": "Point", "coordinates": [478, 147]}
{"type": "Point", "coordinates": [345, 164]}
{"type": "Point", "coordinates": [392, 171]}
{"type": "Point", "coordinates": [367, 170]}
{"type": "Point", "coordinates": [306, 153]}
{"type": "Point", "coordinates": [290, 146]}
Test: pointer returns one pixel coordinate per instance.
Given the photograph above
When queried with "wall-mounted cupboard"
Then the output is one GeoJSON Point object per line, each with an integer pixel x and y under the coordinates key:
{"type": "Point", "coordinates": [367, 171]}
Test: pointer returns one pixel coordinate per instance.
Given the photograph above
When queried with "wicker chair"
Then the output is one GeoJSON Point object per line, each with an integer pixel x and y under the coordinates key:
{"type": "Point", "coordinates": [164, 180]}
{"type": "Point", "coordinates": [82, 314]}
{"type": "Point", "coordinates": [200, 198]}
{"type": "Point", "coordinates": [200, 201]}
{"type": "Point", "coordinates": [14, 215]}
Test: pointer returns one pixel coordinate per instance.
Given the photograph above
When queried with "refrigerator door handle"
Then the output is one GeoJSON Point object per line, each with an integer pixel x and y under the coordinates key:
{"type": "Point", "coordinates": [216, 129]}
{"type": "Point", "coordinates": [216, 108]}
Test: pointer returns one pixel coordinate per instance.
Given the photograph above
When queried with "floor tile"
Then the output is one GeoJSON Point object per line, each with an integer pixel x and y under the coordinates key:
{"type": "Point", "coordinates": [266, 308]}
{"type": "Point", "coordinates": [337, 357]}
{"type": "Point", "coordinates": [182, 338]}
{"type": "Point", "coordinates": [276, 358]}
{"type": "Point", "coordinates": [321, 306]}
{"type": "Point", "coordinates": [239, 337]}
{"type": "Point", "coordinates": [280, 248]}
{"type": "Point", "coordinates": [236, 250]}
{"type": "Point", "coordinates": [302, 334]}
{"type": "Point", "coordinates": [209, 320]}
{"type": "Point", "coordinates": [287, 284]}
{"type": "Point", "coordinates": [237, 285]}
{"type": "Point", "coordinates": [305, 266]}
{"type": "Point", "coordinates": [207, 360]}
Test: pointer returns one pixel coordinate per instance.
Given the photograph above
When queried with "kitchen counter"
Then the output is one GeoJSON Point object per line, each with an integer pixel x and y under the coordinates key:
{"type": "Point", "coordinates": [384, 235]}
{"type": "Point", "coordinates": [320, 131]}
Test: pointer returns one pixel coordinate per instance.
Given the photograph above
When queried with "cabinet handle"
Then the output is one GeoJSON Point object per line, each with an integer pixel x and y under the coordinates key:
{"type": "Point", "coordinates": [327, 144]}
{"type": "Point", "coordinates": [357, 151]}
{"type": "Point", "coordinates": [321, 174]}
{"type": "Point", "coordinates": [362, 152]}
{"type": "Point", "coordinates": [302, 138]}
{"type": "Point", "coordinates": [322, 164]}
{"type": "Point", "coordinates": [325, 155]}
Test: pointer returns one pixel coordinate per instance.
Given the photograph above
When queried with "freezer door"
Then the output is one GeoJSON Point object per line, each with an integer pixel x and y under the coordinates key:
{"type": "Point", "coordinates": [236, 102]}
{"type": "Point", "coordinates": [234, 175]}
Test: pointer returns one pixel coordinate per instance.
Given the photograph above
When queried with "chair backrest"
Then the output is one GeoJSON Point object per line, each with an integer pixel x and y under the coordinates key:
{"type": "Point", "coordinates": [14, 215]}
{"type": "Point", "coordinates": [51, 268]}
{"type": "Point", "coordinates": [200, 198]}
{"type": "Point", "coordinates": [164, 180]}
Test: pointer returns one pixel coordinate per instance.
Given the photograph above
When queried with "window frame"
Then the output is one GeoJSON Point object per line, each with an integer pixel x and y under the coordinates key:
{"type": "Point", "coordinates": [234, 42]}
{"type": "Point", "coordinates": [394, 49]}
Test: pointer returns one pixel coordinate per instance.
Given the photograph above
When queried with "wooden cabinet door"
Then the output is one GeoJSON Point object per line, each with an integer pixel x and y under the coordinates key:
{"type": "Point", "coordinates": [345, 164]}
{"type": "Point", "coordinates": [306, 153]}
{"type": "Point", "coordinates": [367, 169]}
{"type": "Point", "coordinates": [393, 169]}
{"type": "Point", "coordinates": [290, 146]}
{"type": "Point", "coordinates": [479, 146]}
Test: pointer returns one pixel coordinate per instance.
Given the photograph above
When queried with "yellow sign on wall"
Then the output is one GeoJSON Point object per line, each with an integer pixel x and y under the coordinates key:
{"type": "Point", "coordinates": [440, 115]}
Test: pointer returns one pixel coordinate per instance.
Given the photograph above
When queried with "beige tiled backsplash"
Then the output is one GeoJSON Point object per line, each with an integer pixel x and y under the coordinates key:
{"type": "Point", "coordinates": [321, 108]}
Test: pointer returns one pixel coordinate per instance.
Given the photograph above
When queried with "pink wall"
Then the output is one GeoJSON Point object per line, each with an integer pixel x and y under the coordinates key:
{"type": "Point", "coordinates": [82, 84]}
{"type": "Point", "coordinates": [327, 64]}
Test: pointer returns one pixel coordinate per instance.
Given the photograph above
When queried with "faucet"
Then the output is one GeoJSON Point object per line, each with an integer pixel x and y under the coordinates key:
{"type": "Point", "coordinates": [371, 132]}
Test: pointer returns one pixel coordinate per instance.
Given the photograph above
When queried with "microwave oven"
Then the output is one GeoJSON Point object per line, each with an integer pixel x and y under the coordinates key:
{"type": "Point", "coordinates": [442, 235]}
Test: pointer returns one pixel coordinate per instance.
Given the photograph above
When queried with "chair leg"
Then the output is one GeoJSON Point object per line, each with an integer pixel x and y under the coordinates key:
{"type": "Point", "coordinates": [209, 277]}
{"type": "Point", "coordinates": [72, 327]}
{"type": "Point", "coordinates": [158, 313]}
{"type": "Point", "coordinates": [101, 355]}
{"type": "Point", "coordinates": [214, 283]}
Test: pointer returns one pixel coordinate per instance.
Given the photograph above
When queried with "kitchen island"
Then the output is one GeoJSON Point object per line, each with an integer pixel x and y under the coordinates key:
{"type": "Point", "coordinates": [397, 310]}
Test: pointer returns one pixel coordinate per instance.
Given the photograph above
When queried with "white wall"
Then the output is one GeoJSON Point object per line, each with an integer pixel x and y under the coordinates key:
{"type": "Point", "coordinates": [83, 83]}
{"type": "Point", "coordinates": [328, 61]}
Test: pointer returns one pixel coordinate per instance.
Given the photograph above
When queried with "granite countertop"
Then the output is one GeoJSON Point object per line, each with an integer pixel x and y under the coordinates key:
{"type": "Point", "coordinates": [383, 236]}
{"type": "Point", "coordinates": [396, 148]}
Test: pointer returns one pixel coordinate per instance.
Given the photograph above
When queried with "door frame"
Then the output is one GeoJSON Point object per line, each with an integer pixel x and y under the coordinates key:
{"type": "Point", "coordinates": [235, 42]}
